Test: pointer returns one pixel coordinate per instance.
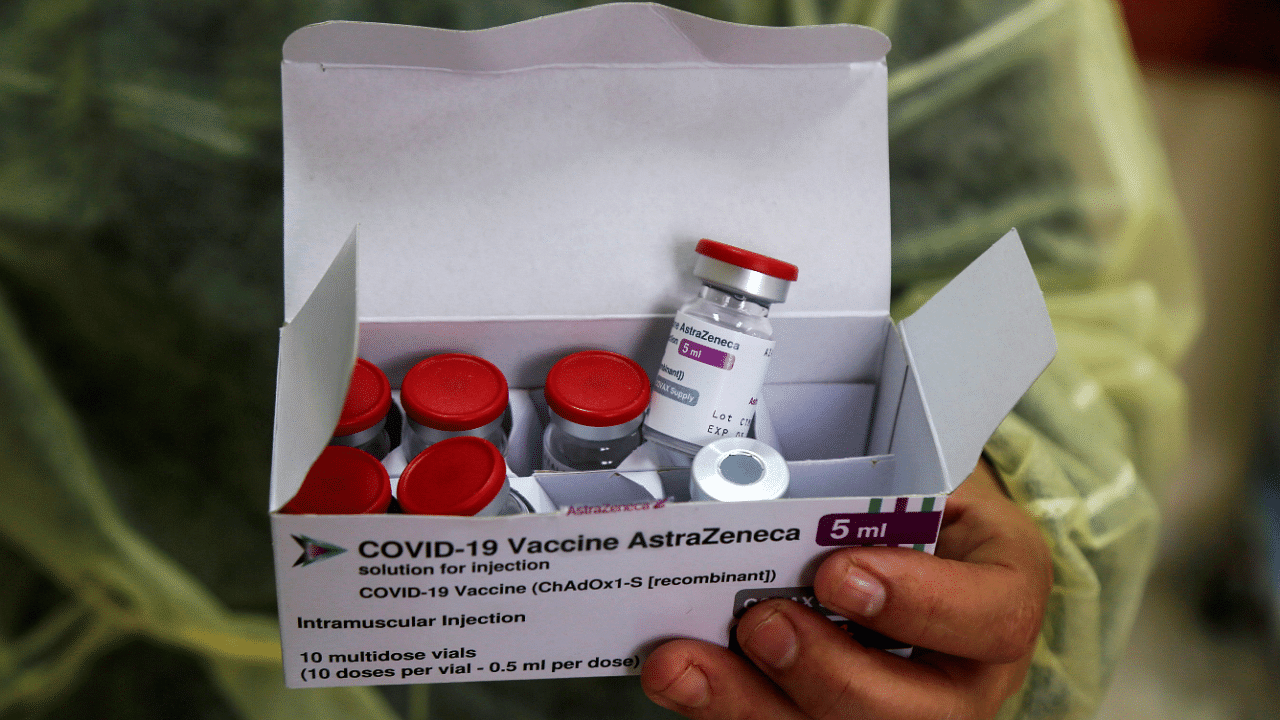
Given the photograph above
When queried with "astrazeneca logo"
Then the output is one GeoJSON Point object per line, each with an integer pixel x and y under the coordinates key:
{"type": "Point", "coordinates": [314, 551]}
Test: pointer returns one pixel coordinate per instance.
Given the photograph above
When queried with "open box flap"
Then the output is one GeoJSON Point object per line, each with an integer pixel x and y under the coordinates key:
{"type": "Point", "coordinates": [655, 34]}
{"type": "Point", "coordinates": [317, 354]}
{"type": "Point", "coordinates": [567, 166]}
{"type": "Point", "coordinates": [972, 351]}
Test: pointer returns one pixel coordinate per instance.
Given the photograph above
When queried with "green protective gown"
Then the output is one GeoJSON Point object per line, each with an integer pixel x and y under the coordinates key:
{"type": "Point", "coordinates": [1088, 448]}
{"type": "Point", "coordinates": [140, 295]}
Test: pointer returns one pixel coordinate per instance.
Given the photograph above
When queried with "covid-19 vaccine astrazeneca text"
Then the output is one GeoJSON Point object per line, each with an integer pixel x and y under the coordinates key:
{"type": "Point", "coordinates": [719, 349]}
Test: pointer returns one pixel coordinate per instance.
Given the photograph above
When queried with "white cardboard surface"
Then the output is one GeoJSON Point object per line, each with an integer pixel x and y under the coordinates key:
{"type": "Point", "coordinates": [654, 35]}
{"type": "Point", "coordinates": [974, 349]}
{"type": "Point", "coordinates": [317, 354]}
{"type": "Point", "coordinates": [541, 596]}
{"type": "Point", "coordinates": [548, 160]}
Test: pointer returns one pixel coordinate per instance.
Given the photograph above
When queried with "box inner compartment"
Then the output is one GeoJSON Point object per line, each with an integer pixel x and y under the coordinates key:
{"type": "Point", "coordinates": [817, 409]}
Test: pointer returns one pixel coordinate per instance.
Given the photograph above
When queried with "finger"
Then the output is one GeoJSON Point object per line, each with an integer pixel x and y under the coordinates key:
{"type": "Point", "coordinates": [986, 685]}
{"type": "Point", "coordinates": [982, 612]}
{"type": "Point", "coordinates": [985, 602]}
{"type": "Point", "coordinates": [827, 674]}
{"type": "Point", "coordinates": [707, 682]}
{"type": "Point", "coordinates": [981, 524]}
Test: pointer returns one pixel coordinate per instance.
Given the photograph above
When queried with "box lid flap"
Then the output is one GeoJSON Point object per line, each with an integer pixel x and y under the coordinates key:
{"type": "Point", "coordinates": [566, 166]}
{"type": "Point", "coordinates": [317, 355]}
{"type": "Point", "coordinates": [655, 34]}
{"type": "Point", "coordinates": [973, 350]}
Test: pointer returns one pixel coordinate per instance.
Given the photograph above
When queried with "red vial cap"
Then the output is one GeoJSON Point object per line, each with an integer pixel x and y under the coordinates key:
{"type": "Point", "coordinates": [458, 476]}
{"type": "Point", "coordinates": [454, 392]}
{"type": "Point", "coordinates": [342, 481]}
{"type": "Point", "coordinates": [747, 259]}
{"type": "Point", "coordinates": [597, 388]}
{"type": "Point", "coordinates": [368, 399]}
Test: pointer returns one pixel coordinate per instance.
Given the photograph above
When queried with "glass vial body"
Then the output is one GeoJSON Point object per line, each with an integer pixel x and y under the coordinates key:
{"type": "Point", "coordinates": [363, 423]}
{"type": "Point", "coordinates": [719, 350]}
{"type": "Point", "coordinates": [342, 481]}
{"type": "Point", "coordinates": [564, 452]}
{"type": "Point", "coordinates": [454, 395]}
{"type": "Point", "coordinates": [462, 475]}
{"type": "Point", "coordinates": [597, 400]}
{"type": "Point", "coordinates": [738, 469]}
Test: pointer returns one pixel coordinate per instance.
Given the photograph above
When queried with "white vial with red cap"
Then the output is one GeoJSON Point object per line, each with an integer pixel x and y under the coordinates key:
{"type": "Point", "coordinates": [597, 401]}
{"type": "Point", "coordinates": [363, 423]}
{"type": "Point", "coordinates": [719, 349]}
{"type": "Point", "coordinates": [458, 476]}
{"type": "Point", "coordinates": [342, 481]}
{"type": "Point", "coordinates": [453, 395]}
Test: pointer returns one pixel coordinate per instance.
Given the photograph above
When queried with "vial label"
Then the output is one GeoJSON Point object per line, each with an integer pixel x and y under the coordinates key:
{"type": "Point", "coordinates": [709, 382]}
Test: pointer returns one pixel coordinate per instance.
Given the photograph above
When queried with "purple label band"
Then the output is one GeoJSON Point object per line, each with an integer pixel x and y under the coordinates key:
{"type": "Point", "coordinates": [706, 355]}
{"type": "Point", "coordinates": [895, 528]}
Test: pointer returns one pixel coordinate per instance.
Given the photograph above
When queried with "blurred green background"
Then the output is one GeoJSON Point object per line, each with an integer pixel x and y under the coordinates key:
{"type": "Point", "coordinates": [140, 297]}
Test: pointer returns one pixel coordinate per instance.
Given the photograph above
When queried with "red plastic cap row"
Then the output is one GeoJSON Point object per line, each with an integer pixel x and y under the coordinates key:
{"type": "Point", "coordinates": [342, 481]}
{"type": "Point", "coordinates": [458, 476]}
{"type": "Point", "coordinates": [597, 388]}
{"type": "Point", "coordinates": [454, 392]}
{"type": "Point", "coordinates": [368, 399]}
{"type": "Point", "coordinates": [747, 259]}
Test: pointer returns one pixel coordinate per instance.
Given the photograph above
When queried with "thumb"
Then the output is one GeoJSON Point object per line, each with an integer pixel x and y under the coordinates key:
{"type": "Point", "coordinates": [981, 611]}
{"type": "Point", "coordinates": [983, 597]}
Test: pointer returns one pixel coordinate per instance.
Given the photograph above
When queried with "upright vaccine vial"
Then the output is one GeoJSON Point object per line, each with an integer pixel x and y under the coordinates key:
{"type": "Point", "coordinates": [453, 395]}
{"type": "Point", "coordinates": [363, 423]}
{"type": "Point", "coordinates": [719, 350]}
{"type": "Point", "coordinates": [458, 476]}
{"type": "Point", "coordinates": [738, 469]}
{"type": "Point", "coordinates": [597, 401]}
{"type": "Point", "coordinates": [342, 481]}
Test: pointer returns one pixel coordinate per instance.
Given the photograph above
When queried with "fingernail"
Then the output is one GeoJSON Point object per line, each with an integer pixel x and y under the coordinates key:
{"type": "Point", "coordinates": [690, 689]}
{"type": "Point", "coordinates": [863, 592]}
{"type": "Point", "coordinates": [773, 641]}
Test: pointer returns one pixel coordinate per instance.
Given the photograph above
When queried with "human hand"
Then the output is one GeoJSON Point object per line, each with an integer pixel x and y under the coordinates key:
{"type": "Point", "coordinates": [973, 613]}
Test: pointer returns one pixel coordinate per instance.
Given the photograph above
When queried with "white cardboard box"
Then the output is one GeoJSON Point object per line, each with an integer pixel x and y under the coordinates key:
{"type": "Point", "coordinates": [532, 190]}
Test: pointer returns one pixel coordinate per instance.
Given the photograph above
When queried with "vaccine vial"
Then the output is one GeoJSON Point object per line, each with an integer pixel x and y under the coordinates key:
{"type": "Point", "coordinates": [342, 481]}
{"type": "Point", "coordinates": [462, 475]}
{"type": "Point", "coordinates": [363, 423]}
{"type": "Point", "coordinates": [719, 349]}
{"type": "Point", "coordinates": [597, 401]}
{"type": "Point", "coordinates": [738, 469]}
{"type": "Point", "coordinates": [453, 395]}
